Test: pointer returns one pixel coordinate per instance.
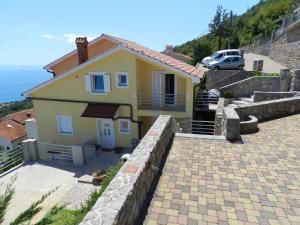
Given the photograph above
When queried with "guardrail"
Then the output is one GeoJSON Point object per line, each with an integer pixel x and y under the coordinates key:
{"type": "Point", "coordinates": [54, 152]}
{"type": "Point", "coordinates": [11, 158]}
{"type": "Point", "coordinates": [291, 19]}
{"type": "Point", "coordinates": [197, 127]}
{"type": "Point", "coordinates": [161, 101]}
{"type": "Point", "coordinates": [204, 99]}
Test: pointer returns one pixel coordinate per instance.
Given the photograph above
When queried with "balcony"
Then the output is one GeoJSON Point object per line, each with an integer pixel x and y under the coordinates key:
{"type": "Point", "coordinates": [161, 102]}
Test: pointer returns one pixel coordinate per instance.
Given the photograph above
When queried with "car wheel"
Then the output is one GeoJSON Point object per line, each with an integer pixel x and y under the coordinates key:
{"type": "Point", "coordinates": [216, 68]}
{"type": "Point", "coordinates": [240, 67]}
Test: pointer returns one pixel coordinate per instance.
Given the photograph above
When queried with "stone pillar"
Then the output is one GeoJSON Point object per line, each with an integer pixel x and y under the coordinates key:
{"type": "Point", "coordinates": [258, 64]}
{"type": "Point", "coordinates": [242, 52]}
{"type": "Point", "coordinates": [89, 151]}
{"type": "Point", "coordinates": [295, 84]}
{"type": "Point", "coordinates": [77, 154]}
{"type": "Point", "coordinates": [285, 80]}
{"type": "Point", "coordinates": [30, 149]}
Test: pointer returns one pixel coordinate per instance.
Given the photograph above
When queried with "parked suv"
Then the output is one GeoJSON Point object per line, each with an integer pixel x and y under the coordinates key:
{"type": "Point", "coordinates": [220, 54]}
{"type": "Point", "coordinates": [227, 62]}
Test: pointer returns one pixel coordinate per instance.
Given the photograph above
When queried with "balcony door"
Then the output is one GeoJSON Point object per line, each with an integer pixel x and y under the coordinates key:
{"type": "Point", "coordinates": [169, 89]}
{"type": "Point", "coordinates": [164, 89]}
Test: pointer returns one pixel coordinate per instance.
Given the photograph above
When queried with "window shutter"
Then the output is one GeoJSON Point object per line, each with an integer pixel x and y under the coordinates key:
{"type": "Point", "coordinates": [88, 83]}
{"type": "Point", "coordinates": [106, 83]}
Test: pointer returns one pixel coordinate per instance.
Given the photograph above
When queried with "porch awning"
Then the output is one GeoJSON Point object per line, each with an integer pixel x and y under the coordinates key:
{"type": "Point", "coordinates": [100, 110]}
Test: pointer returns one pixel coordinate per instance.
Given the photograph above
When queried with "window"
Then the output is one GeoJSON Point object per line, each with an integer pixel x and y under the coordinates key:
{"type": "Point", "coordinates": [227, 60]}
{"type": "Point", "coordinates": [122, 79]}
{"type": "Point", "coordinates": [65, 125]}
{"type": "Point", "coordinates": [124, 126]}
{"type": "Point", "coordinates": [220, 56]}
{"type": "Point", "coordinates": [98, 83]}
{"type": "Point", "coordinates": [235, 59]}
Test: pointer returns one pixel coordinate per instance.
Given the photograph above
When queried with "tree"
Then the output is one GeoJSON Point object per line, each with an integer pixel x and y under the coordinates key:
{"type": "Point", "coordinates": [220, 26]}
{"type": "Point", "coordinates": [200, 50]}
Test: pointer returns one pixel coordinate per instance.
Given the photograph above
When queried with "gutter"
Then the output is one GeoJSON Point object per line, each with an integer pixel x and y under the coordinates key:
{"type": "Point", "coordinates": [104, 103]}
{"type": "Point", "coordinates": [50, 71]}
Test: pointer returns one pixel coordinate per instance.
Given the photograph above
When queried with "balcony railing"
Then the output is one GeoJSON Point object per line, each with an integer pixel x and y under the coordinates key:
{"type": "Point", "coordinates": [150, 101]}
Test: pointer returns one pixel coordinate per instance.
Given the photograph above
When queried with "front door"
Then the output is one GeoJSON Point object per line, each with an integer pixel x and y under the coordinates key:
{"type": "Point", "coordinates": [169, 89]}
{"type": "Point", "coordinates": [106, 134]}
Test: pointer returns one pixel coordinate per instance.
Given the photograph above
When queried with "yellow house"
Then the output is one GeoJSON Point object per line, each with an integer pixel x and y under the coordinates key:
{"type": "Point", "coordinates": [109, 92]}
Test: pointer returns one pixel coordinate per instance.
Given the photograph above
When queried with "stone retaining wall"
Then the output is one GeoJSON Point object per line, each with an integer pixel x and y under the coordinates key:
{"type": "Point", "coordinates": [213, 76]}
{"type": "Point", "coordinates": [260, 96]}
{"type": "Point", "coordinates": [231, 127]}
{"type": "Point", "coordinates": [124, 198]}
{"type": "Point", "coordinates": [270, 109]}
{"type": "Point", "coordinates": [241, 75]}
{"type": "Point", "coordinates": [248, 86]}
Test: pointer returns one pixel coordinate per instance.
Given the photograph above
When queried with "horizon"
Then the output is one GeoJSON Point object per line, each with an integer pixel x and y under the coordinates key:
{"type": "Point", "coordinates": [45, 41]}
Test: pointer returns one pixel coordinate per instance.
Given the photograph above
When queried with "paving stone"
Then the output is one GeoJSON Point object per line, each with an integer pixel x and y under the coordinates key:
{"type": "Point", "coordinates": [217, 182]}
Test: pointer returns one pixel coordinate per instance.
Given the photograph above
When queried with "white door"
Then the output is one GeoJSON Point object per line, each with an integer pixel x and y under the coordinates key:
{"type": "Point", "coordinates": [106, 134]}
{"type": "Point", "coordinates": [158, 88]}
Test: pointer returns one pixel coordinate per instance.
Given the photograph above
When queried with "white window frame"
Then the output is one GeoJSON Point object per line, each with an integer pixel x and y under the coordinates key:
{"type": "Point", "coordinates": [118, 74]}
{"type": "Point", "coordinates": [120, 126]}
{"type": "Point", "coordinates": [105, 76]}
{"type": "Point", "coordinates": [58, 117]}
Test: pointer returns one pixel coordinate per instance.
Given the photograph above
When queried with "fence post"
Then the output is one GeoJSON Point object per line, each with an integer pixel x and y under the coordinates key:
{"type": "Point", "coordinates": [77, 154]}
{"type": "Point", "coordinates": [295, 84]}
{"type": "Point", "coordinates": [30, 149]}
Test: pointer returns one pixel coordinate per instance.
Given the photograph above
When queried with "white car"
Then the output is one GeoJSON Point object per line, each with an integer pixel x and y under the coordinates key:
{"type": "Point", "coordinates": [219, 54]}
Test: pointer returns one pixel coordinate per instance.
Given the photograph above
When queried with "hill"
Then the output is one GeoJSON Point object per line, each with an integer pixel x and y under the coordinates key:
{"type": "Point", "coordinates": [259, 21]}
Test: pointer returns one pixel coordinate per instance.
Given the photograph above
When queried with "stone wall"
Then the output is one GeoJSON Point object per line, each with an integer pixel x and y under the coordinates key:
{"type": "Point", "coordinates": [260, 96]}
{"type": "Point", "coordinates": [122, 201]}
{"type": "Point", "coordinates": [260, 46]}
{"type": "Point", "coordinates": [284, 49]}
{"type": "Point", "coordinates": [286, 53]}
{"type": "Point", "coordinates": [231, 126]}
{"type": "Point", "coordinates": [248, 86]}
{"type": "Point", "coordinates": [270, 109]}
{"type": "Point", "coordinates": [241, 75]}
{"type": "Point", "coordinates": [213, 76]}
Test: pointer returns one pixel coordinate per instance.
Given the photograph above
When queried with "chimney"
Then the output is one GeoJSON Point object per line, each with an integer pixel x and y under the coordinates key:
{"type": "Point", "coordinates": [169, 49]}
{"type": "Point", "coordinates": [82, 49]}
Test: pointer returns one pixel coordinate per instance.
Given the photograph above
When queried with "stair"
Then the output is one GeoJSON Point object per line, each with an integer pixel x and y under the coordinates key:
{"type": "Point", "coordinates": [204, 101]}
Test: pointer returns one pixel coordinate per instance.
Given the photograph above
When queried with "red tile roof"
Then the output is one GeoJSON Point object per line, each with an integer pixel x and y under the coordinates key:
{"type": "Point", "coordinates": [165, 59]}
{"type": "Point", "coordinates": [12, 126]}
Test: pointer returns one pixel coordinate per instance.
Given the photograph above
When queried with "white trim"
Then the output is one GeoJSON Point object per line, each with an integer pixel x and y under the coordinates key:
{"type": "Point", "coordinates": [194, 78]}
{"type": "Point", "coordinates": [117, 74]}
{"type": "Point", "coordinates": [129, 126]}
{"type": "Point", "coordinates": [89, 62]}
{"type": "Point", "coordinates": [90, 44]}
{"type": "Point", "coordinates": [58, 125]}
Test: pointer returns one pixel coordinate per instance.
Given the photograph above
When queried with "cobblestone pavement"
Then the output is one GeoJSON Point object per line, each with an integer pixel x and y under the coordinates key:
{"type": "Point", "coordinates": [217, 182]}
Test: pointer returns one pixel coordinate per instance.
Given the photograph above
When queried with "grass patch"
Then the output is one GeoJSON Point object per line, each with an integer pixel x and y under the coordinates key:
{"type": "Point", "coordinates": [62, 216]}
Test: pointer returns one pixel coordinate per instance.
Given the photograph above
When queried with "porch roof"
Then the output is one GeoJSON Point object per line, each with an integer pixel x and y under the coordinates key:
{"type": "Point", "coordinates": [100, 110]}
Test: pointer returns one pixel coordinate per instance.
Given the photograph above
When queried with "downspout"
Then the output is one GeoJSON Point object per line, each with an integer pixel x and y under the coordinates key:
{"type": "Point", "coordinates": [90, 102]}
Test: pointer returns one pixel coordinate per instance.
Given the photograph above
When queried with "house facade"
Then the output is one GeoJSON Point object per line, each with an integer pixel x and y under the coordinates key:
{"type": "Point", "coordinates": [109, 92]}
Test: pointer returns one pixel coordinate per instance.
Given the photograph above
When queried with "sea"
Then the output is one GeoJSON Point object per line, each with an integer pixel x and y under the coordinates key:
{"type": "Point", "coordinates": [14, 80]}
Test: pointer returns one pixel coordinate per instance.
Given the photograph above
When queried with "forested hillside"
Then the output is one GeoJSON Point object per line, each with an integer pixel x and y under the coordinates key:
{"type": "Point", "coordinates": [260, 20]}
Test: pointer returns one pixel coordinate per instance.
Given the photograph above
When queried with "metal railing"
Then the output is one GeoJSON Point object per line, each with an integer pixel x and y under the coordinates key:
{"type": "Point", "coordinates": [54, 152]}
{"type": "Point", "coordinates": [291, 19]}
{"type": "Point", "coordinates": [11, 158]}
{"type": "Point", "coordinates": [161, 101]}
{"type": "Point", "coordinates": [196, 127]}
{"type": "Point", "coordinates": [203, 99]}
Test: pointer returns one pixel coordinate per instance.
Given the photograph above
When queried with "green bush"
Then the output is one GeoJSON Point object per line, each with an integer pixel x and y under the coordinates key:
{"type": "Point", "coordinates": [228, 94]}
{"type": "Point", "coordinates": [258, 73]}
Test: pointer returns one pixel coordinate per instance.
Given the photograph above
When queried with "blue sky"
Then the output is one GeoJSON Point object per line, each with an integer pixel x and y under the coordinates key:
{"type": "Point", "coordinates": [35, 32]}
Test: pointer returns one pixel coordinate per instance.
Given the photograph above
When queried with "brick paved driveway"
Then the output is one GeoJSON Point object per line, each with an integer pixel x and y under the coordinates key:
{"type": "Point", "coordinates": [217, 182]}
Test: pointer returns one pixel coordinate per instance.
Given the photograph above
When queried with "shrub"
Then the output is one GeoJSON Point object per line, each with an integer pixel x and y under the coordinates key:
{"type": "Point", "coordinates": [258, 73]}
{"type": "Point", "coordinates": [228, 94]}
